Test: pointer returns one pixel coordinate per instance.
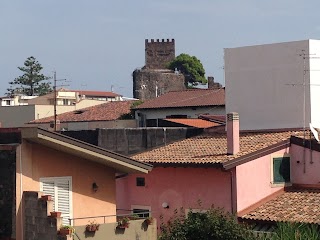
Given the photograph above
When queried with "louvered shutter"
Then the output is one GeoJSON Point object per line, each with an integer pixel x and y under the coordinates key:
{"type": "Point", "coordinates": [49, 189]}
{"type": "Point", "coordinates": [60, 190]}
{"type": "Point", "coordinates": [63, 199]}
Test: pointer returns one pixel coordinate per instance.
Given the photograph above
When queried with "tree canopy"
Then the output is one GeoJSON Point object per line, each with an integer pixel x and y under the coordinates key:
{"type": "Point", "coordinates": [190, 67]}
{"type": "Point", "coordinates": [31, 82]}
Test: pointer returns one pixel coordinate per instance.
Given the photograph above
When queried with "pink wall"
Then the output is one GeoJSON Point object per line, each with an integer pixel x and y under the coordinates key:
{"type": "Point", "coordinates": [179, 187]}
{"type": "Point", "coordinates": [311, 173]}
{"type": "Point", "coordinates": [254, 180]}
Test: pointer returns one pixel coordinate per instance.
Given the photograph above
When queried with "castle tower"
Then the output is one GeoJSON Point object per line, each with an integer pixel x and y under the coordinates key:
{"type": "Point", "coordinates": [154, 79]}
{"type": "Point", "coordinates": [159, 54]}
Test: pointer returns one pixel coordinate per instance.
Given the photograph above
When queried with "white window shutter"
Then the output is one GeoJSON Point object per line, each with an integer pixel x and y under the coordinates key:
{"type": "Point", "coordinates": [60, 190]}
{"type": "Point", "coordinates": [63, 199]}
{"type": "Point", "coordinates": [48, 189]}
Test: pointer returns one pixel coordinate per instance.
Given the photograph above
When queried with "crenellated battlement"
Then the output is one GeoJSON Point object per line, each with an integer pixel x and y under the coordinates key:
{"type": "Point", "coordinates": [158, 41]}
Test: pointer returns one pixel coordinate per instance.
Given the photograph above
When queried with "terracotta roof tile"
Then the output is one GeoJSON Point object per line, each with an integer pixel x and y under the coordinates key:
{"type": "Point", "coordinates": [187, 98]}
{"type": "Point", "coordinates": [193, 122]}
{"type": "Point", "coordinates": [104, 112]}
{"type": "Point", "coordinates": [211, 148]}
{"type": "Point", "coordinates": [292, 206]}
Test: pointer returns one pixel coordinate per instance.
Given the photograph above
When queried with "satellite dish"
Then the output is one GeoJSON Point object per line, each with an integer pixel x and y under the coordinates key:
{"type": "Point", "coordinates": [314, 132]}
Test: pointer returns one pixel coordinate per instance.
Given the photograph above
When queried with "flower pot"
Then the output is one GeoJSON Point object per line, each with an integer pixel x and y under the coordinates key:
{"type": "Point", "coordinates": [55, 214]}
{"type": "Point", "coordinates": [46, 197]}
{"type": "Point", "coordinates": [124, 225]}
{"type": "Point", "coordinates": [65, 232]}
{"type": "Point", "coordinates": [149, 221]}
{"type": "Point", "coordinates": [92, 228]}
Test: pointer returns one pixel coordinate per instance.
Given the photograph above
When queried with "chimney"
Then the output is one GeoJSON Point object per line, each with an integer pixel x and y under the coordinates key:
{"type": "Point", "coordinates": [233, 141]}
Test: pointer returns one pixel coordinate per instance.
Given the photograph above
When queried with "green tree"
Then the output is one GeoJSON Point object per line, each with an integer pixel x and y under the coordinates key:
{"type": "Point", "coordinates": [190, 67]}
{"type": "Point", "coordinates": [212, 224]}
{"type": "Point", "coordinates": [31, 82]}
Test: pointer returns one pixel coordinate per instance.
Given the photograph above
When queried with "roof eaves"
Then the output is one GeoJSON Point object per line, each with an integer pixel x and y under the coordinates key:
{"type": "Point", "coordinates": [38, 133]}
{"type": "Point", "coordinates": [257, 154]}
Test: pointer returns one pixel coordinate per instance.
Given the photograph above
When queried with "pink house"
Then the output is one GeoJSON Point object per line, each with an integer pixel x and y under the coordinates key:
{"type": "Point", "coordinates": [237, 172]}
{"type": "Point", "coordinates": [80, 178]}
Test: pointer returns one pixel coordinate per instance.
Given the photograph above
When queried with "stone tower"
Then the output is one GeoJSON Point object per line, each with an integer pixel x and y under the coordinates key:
{"type": "Point", "coordinates": [158, 54]}
{"type": "Point", "coordinates": [154, 79]}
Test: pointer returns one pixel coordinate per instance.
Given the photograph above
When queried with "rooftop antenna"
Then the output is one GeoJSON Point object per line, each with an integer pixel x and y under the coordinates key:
{"type": "Point", "coordinates": [55, 80]}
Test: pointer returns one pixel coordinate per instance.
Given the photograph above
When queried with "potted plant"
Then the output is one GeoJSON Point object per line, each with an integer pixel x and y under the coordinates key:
{"type": "Point", "coordinates": [55, 214]}
{"type": "Point", "coordinates": [123, 222]}
{"type": "Point", "coordinates": [149, 220]}
{"type": "Point", "coordinates": [66, 230]}
{"type": "Point", "coordinates": [92, 226]}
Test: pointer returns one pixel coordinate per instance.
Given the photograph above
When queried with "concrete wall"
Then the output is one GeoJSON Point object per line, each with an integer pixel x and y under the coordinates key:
{"type": "Point", "coordinates": [77, 126]}
{"type": "Point", "coordinates": [137, 230]}
{"type": "Point", "coordinates": [304, 166]}
{"type": "Point", "coordinates": [37, 224]}
{"type": "Point", "coordinates": [254, 180]}
{"type": "Point", "coordinates": [179, 187]}
{"type": "Point", "coordinates": [190, 112]}
{"type": "Point", "coordinates": [257, 79]}
{"type": "Point", "coordinates": [16, 116]}
{"type": "Point", "coordinates": [133, 140]}
{"type": "Point", "coordinates": [35, 161]}
{"type": "Point", "coordinates": [148, 84]}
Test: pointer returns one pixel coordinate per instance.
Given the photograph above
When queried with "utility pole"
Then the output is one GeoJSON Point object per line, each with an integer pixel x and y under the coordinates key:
{"type": "Point", "coordinates": [55, 98]}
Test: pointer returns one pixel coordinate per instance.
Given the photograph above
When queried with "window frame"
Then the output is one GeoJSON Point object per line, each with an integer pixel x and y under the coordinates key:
{"type": "Point", "coordinates": [141, 207]}
{"type": "Point", "coordinates": [279, 184]}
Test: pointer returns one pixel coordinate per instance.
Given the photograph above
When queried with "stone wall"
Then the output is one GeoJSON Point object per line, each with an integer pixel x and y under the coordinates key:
{"type": "Point", "coordinates": [7, 193]}
{"type": "Point", "coordinates": [37, 223]}
{"type": "Point", "coordinates": [148, 84]}
{"type": "Point", "coordinates": [159, 53]}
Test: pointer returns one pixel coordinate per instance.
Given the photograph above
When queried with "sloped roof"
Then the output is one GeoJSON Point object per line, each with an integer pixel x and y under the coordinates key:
{"type": "Point", "coordinates": [212, 149]}
{"type": "Point", "coordinates": [295, 205]}
{"type": "Point", "coordinates": [187, 98]}
{"type": "Point", "coordinates": [95, 93]}
{"type": "Point", "coordinates": [103, 112]}
{"type": "Point", "coordinates": [193, 122]}
{"type": "Point", "coordinates": [84, 150]}
{"type": "Point", "coordinates": [213, 118]}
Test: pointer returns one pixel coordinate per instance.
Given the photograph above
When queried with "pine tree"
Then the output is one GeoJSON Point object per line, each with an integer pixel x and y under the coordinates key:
{"type": "Point", "coordinates": [31, 82]}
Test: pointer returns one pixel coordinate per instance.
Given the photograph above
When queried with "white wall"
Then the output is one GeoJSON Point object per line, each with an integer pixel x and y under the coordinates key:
{"type": "Point", "coordinates": [314, 72]}
{"type": "Point", "coordinates": [257, 79]}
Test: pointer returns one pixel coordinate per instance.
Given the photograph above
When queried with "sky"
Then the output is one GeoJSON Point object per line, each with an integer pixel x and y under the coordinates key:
{"type": "Point", "coordinates": [97, 44]}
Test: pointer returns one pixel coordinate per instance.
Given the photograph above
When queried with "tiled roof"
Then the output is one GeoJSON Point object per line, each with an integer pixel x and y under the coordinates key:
{"type": "Point", "coordinates": [210, 149]}
{"type": "Point", "coordinates": [213, 118]}
{"type": "Point", "coordinates": [193, 122]}
{"type": "Point", "coordinates": [187, 98]}
{"type": "Point", "coordinates": [96, 93]}
{"type": "Point", "coordinates": [292, 206]}
{"type": "Point", "coordinates": [103, 112]}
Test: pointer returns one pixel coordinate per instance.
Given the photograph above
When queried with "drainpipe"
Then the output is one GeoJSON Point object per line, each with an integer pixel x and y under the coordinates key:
{"type": "Point", "coordinates": [233, 208]}
{"type": "Point", "coordinates": [21, 193]}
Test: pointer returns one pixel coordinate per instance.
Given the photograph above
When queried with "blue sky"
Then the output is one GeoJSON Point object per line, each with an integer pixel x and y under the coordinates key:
{"type": "Point", "coordinates": [98, 43]}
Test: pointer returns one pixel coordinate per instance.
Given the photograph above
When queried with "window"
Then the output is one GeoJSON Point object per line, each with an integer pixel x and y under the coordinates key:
{"type": "Point", "coordinates": [60, 190]}
{"type": "Point", "coordinates": [66, 101]}
{"type": "Point", "coordinates": [141, 211]}
{"type": "Point", "coordinates": [281, 170]}
{"type": "Point", "coordinates": [140, 181]}
{"type": "Point", "coordinates": [8, 102]}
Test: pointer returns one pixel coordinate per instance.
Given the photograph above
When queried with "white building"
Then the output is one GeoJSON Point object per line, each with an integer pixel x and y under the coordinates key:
{"type": "Point", "coordinates": [274, 86]}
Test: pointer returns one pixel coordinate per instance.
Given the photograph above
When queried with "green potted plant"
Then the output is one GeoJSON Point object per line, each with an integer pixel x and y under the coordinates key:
{"type": "Point", "coordinates": [123, 222]}
{"type": "Point", "coordinates": [92, 226]}
{"type": "Point", "coordinates": [66, 230]}
{"type": "Point", "coordinates": [149, 220]}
